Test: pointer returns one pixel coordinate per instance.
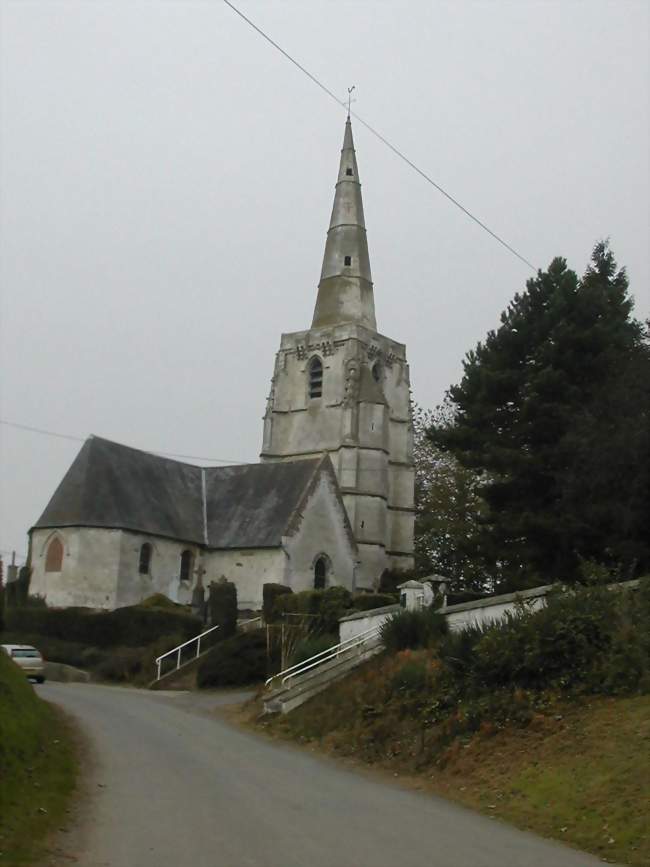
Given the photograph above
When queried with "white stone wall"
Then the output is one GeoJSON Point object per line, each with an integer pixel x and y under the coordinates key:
{"type": "Point", "coordinates": [88, 576]}
{"type": "Point", "coordinates": [321, 529]}
{"type": "Point", "coordinates": [249, 569]}
{"type": "Point", "coordinates": [458, 620]}
{"type": "Point", "coordinates": [164, 569]}
{"type": "Point", "coordinates": [370, 619]}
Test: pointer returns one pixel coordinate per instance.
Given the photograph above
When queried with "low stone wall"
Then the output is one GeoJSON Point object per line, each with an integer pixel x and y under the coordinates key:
{"type": "Point", "coordinates": [493, 608]}
{"type": "Point", "coordinates": [354, 624]}
{"type": "Point", "coordinates": [478, 612]}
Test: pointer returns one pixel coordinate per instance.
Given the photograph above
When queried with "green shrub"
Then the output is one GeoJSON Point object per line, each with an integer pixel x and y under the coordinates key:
{"type": "Point", "coordinates": [270, 593]}
{"type": "Point", "coordinates": [368, 601]}
{"type": "Point", "coordinates": [323, 608]}
{"type": "Point", "coordinates": [222, 605]}
{"type": "Point", "coordinates": [17, 592]}
{"type": "Point", "coordinates": [309, 647]}
{"type": "Point", "coordinates": [410, 630]}
{"type": "Point", "coordinates": [590, 639]}
{"type": "Point", "coordinates": [132, 626]}
{"type": "Point", "coordinates": [412, 678]}
{"type": "Point", "coordinates": [237, 661]}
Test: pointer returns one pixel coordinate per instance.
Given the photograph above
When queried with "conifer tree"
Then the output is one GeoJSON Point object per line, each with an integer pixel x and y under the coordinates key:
{"type": "Point", "coordinates": [563, 348]}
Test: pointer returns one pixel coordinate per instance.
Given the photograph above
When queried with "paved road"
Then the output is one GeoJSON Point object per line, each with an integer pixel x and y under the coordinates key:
{"type": "Point", "coordinates": [175, 787]}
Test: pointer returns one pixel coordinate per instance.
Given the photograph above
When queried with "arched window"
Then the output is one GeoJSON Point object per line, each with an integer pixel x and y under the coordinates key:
{"type": "Point", "coordinates": [320, 573]}
{"type": "Point", "coordinates": [186, 565]}
{"type": "Point", "coordinates": [377, 371]}
{"type": "Point", "coordinates": [145, 559]}
{"type": "Point", "coordinates": [54, 556]}
{"type": "Point", "coordinates": [315, 378]}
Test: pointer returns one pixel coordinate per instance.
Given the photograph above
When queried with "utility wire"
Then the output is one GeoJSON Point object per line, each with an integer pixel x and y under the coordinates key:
{"type": "Point", "coordinates": [78, 439]}
{"type": "Point", "coordinates": [378, 135]}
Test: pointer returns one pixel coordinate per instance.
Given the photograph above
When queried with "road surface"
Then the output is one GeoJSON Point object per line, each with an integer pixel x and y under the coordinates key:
{"type": "Point", "coordinates": [173, 786]}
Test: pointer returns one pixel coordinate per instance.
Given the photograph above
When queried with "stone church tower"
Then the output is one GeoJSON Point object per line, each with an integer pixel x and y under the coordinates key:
{"type": "Point", "coordinates": [342, 388]}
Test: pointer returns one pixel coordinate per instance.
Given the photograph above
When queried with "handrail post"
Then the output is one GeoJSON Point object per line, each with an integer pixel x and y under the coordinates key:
{"type": "Point", "coordinates": [178, 659]}
{"type": "Point", "coordinates": [198, 645]}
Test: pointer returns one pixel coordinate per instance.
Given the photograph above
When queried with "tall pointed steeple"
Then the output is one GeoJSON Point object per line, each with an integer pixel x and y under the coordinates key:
{"type": "Point", "coordinates": [345, 288]}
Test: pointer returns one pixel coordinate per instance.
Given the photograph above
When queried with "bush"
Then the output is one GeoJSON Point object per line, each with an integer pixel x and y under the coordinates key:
{"type": "Point", "coordinates": [309, 647]}
{"type": "Point", "coordinates": [412, 678]}
{"type": "Point", "coordinates": [132, 626]}
{"type": "Point", "coordinates": [270, 594]}
{"type": "Point", "coordinates": [237, 661]}
{"type": "Point", "coordinates": [323, 608]}
{"type": "Point", "coordinates": [591, 639]}
{"type": "Point", "coordinates": [410, 630]}
{"type": "Point", "coordinates": [222, 604]}
{"type": "Point", "coordinates": [368, 601]}
{"type": "Point", "coordinates": [17, 592]}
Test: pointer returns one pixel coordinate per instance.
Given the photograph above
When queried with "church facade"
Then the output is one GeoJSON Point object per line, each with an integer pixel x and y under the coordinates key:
{"type": "Point", "coordinates": [330, 503]}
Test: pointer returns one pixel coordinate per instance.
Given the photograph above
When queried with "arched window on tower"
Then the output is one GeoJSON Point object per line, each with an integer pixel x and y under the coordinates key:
{"type": "Point", "coordinates": [315, 378]}
{"type": "Point", "coordinates": [320, 573]}
{"type": "Point", "coordinates": [54, 556]}
{"type": "Point", "coordinates": [377, 371]}
{"type": "Point", "coordinates": [145, 559]}
{"type": "Point", "coordinates": [187, 561]}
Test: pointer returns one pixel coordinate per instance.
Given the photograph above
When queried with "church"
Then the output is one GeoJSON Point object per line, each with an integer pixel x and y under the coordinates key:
{"type": "Point", "coordinates": [330, 503]}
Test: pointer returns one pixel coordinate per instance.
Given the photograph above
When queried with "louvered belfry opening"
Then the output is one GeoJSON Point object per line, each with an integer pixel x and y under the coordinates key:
{"type": "Point", "coordinates": [315, 378]}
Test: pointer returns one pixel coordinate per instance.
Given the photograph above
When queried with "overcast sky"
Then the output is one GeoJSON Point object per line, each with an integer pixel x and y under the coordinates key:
{"type": "Point", "coordinates": [167, 179]}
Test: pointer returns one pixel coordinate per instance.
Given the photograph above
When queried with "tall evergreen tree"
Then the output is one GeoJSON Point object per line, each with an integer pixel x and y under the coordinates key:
{"type": "Point", "coordinates": [520, 414]}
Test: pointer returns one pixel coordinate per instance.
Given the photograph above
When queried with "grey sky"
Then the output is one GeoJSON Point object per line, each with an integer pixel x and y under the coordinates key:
{"type": "Point", "coordinates": [167, 178]}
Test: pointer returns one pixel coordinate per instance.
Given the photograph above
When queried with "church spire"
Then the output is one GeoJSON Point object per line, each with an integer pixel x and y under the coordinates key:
{"type": "Point", "coordinates": [345, 288]}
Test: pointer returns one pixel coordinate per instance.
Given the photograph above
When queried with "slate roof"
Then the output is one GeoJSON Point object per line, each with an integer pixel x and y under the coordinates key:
{"type": "Point", "coordinates": [110, 485]}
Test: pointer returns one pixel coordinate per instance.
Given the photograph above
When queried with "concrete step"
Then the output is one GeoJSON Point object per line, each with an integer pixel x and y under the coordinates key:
{"type": "Point", "coordinates": [303, 687]}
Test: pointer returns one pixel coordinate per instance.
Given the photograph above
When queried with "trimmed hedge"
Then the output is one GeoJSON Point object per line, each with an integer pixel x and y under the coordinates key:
{"type": "Point", "coordinates": [323, 607]}
{"type": "Point", "coordinates": [222, 605]}
{"type": "Point", "coordinates": [133, 626]}
{"type": "Point", "coordinates": [237, 661]}
{"type": "Point", "coordinates": [368, 601]}
{"type": "Point", "coordinates": [270, 594]}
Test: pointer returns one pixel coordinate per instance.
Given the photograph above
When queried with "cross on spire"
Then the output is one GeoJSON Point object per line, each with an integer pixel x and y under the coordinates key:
{"type": "Point", "coordinates": [350, 100]}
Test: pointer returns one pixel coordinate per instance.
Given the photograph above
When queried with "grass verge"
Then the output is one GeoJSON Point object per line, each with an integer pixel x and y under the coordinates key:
{"type": "Point", "coordinates": [38, 768]}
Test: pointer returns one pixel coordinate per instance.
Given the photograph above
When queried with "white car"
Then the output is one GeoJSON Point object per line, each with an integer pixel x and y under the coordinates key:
{"type": "Point", "coordinates": [28, 658]}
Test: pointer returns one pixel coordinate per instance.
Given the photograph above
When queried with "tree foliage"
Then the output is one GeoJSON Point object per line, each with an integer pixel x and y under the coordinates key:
{"type": "Point", "coordinates": [448, 508]}
{"type": "Point", "coordinates": [552, 410]}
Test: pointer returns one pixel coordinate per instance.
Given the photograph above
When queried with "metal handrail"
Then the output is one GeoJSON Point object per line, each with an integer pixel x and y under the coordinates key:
{"type": "Point", "coordinates": [324, 655]}
{"type": "Point", "coordinates": [177, 650]}
{"type": "Point", "coordinates": [197, 638]}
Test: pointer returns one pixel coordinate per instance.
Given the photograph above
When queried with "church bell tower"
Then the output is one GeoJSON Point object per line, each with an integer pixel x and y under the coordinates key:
{"type": "Point", "coordinates": [342, 388]}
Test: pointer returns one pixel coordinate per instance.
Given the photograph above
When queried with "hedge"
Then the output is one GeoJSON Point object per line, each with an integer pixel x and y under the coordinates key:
{"type": "Point", "coordinates": [323, 608]}
{"type": "Point", "coordinates": [237, 661]}
{"type": "Point", "coordinates": [222, 605]}
{"type": "Point", "coordinates": [368, 601]}
{"type": "Point", "coordinates": [270, 594]}
{"type": "Point", "coordinates": [132, 626]}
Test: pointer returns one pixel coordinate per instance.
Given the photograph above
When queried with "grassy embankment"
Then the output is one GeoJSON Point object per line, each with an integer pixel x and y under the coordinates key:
{"type": "Point", "coordinates": [38, 767]}
{"type": "Point", "coordinates": [543, 720]}
{"type": "Point", "coordinates": [579, 773]}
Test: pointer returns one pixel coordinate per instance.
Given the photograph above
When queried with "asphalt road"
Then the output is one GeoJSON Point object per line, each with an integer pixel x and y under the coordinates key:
{"type": "Point", "coordinates": [170, 785]}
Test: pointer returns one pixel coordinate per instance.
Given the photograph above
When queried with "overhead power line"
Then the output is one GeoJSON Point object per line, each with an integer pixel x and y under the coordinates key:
{"type": "Point", "coordinates": [51, 433]}
{"type": "Point", "coordinates": [344, 104]}
{"type": "Point", "coordinates": [79, 439]}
